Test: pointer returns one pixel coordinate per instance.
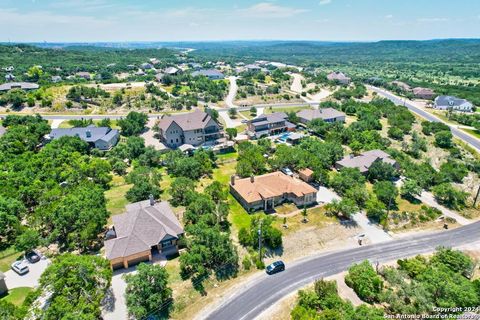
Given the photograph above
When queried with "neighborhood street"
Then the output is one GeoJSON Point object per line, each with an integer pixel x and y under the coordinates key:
{"type": "Point", "coordinates": [250, 302]}
{"type": "Point", "coordinates": [472, 141]}
{"type": "Point", "coordinates": [232, 92]}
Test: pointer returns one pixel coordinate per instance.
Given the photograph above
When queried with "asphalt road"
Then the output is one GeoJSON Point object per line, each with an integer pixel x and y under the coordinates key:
{"type": "Point", "coordinates": [253, 300]}
{"type": "Point", "coordinates": [424, 114]}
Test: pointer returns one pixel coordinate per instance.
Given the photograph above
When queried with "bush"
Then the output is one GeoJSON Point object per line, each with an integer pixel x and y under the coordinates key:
{"type": "Point", "coordinates": [246, 263]}
{"type": "Point", "coordinates": [363, 279]}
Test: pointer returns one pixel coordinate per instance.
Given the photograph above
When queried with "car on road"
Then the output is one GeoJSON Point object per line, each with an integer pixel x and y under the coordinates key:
{"type": "Point", "coordinates": [287, 171]}
{"type": "Point", "coordinates": [32, 256]}
{"type": "Point", "coordinates": [20, 267]}
{"type": "Point", "coordinates": [275, 267]}
{"type": "Point", "coordinates": [244, 121]}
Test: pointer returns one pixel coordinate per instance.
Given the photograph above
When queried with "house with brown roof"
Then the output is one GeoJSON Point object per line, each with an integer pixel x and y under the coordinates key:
{"type": "Point", "coordinates": [146, 227]}
{"type": "Point", "coordinates": [194, 128]}
{"type": "Point", "coordinates": [306, 174]}
{"type": "Point", "coordinates": [326, 114]}
{"type": "Point", "coordinates": [364, 161]}
{"type": "Point", "coordinates": [84, 75]}
{"type": "Point", "coordinates": [339, 77]}
{"type": "Point", "coordinates": [266, 191]}
{"type": "Point", "coordinates": [423, 93]}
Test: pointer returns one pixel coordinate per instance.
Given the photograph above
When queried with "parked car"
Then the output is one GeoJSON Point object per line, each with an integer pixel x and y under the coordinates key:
{"type": "Point", "coordinates": [287, 171]}
{"type": "Point", "coordinates": [20, 267]}
{"type": "Point", "coordinates": [32, 256]}
{"type": "Point", "coordinates": [275, 267]}
{"type": "Point", "coordinates": [244, 121]}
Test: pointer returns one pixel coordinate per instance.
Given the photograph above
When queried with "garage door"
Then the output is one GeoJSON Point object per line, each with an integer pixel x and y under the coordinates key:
{"type": "Point", "coordinates": [137, 261]}
{"type": "Point", "coordinates": [117, 265]}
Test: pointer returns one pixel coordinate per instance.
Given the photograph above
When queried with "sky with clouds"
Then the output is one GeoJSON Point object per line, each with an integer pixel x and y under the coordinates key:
{"type": "Point", "coordinates": [184, 20]}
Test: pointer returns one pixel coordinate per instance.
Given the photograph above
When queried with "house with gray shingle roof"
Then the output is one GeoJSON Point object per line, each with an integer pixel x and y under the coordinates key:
{"type": "Point", "coordinates": [453, 103]}
{"type": "Point", "coordinates": [364, 161]}
{"type": "Point", "coordinates": [194, 128]}
{"type": "Point", "coordinates": [103, 138]}
{"type": "Point", "coordinates": [269, 124]}
{"type": "Point", "coordinates": [19, 85]}
{"type": "Point", "coordinates": [211, 74]}
{"type": "Point", "coordinates": [326, 114]}
{"type": "Point", "coordinates": [145, 227]}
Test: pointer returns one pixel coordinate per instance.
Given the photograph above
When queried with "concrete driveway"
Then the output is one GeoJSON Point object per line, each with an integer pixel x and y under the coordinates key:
{"type": "Point", "coordinates": [373, 231]}
{"type": "Point", "coordinates": [325, 195]}
{"type": "Point", "coordinates": [14, 280]}
{"type": "Point", "coordinates": [232, 92]}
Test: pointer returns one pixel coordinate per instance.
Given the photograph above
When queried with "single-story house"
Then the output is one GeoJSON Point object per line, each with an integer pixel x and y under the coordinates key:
{"type": "Point", "coordinates": [146, 66]}
{"type": "Point", "coordinates": [453, 103]}
{"type": "Point", "coordinates": [103, 138]}
{"type": "Point", "coordinates": [211, 74]}
{"type": "Point", "coordinates": [253, 67]}
{"type": "Point", "coordinates": [365, 160]}
{"type": "Point", "coordinates": [423, 93]}
{"type": "Point", "coordinates": [326, 114]}
{"type": "Point", "coordinates": [84, 75]}
{"type": "Point", "coordinates": [171, 71]}
{"type": "Point", "coordinates": [339, 77]}
{"type": "Point", "coordinates": [402, 85]}
{"type": "Point", "coordinates": [306, 174]}
{"type": "Point", "coordinates": [56, 79]}
{"type": "Point", "coordinates": [266, 191]}
{"type": "Point", "coordinates": [146, 227]}
{"type": "Point", "coordinates": [19, 85]}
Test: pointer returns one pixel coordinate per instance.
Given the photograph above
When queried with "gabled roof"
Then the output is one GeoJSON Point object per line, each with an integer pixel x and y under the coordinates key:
{"type": "Point", "coordinates": [88, 134]}
{"type": "Point", "coordinates": [325, 114]}
{"type": "Point", "coordinates": [142, 226]}
{"type": "Point", "coordinates": [171, 70]}
{"type": "Point", "coordinates": [366, 159]}
{"type": "Point", "coordinates": [21, 85]}
{"type": "Point", "coordinates": [451, 101]}
{"type": "Point", "coordinates": [337, 76]}
{"type": "Point", "coordinates": [187, 121]}
{"type": "Point", "coordinates": [207, 73]}
{"type": "Point", "coordinates": [270, 185]}
{"type": "Point", "coordinates": [270, 118]}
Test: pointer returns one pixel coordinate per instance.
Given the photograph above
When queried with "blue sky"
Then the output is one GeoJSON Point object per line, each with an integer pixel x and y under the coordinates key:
{"type": "Point", "coordinates": [183, 20]}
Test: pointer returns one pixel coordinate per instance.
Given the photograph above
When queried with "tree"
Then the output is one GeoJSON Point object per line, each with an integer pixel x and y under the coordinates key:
{"type": "Point", "coordinates": [344, 208]}
{"type": "Point", "coordinates": [410, 189]}
{"type": "Point", "coordinates": [347, 178]}
{"type": "Point", "coordinates": [456, 260]}
{"type": "Point", "coordinates": [380, 170]}
{"type": "Point", "coordinates": [376, 210]}
{"type": "Point", "coordinates": [232, 112]}
{"type": "Point", "coordinates": [386, 192]}
{"type": "Point", "coordinates": [231, 132]}
{"type": "Point", "coordinates": [133, 124]}
{"type": "Point", "coordinates": [11, 212]}
{"type": "Point", "coordinates": [216, 191]}
{"type": "Point", "coordinates": [253, 111]}
{"type": "Point", "coordinates": [28, 240]}
{"type": "Point", "coordinates": [16, 97]}
{"type": "Point", "coordinates": [363, 279]}
{"type": "Point", "coordinates": [34, 73]}
{"type": "Point", "coordinates": [449, 196]}
{"type": "Point", "coordinates": [147, 293]}
{"type": "Point", "coordinates": [443, 139]}
{"type": "Point", "coordinates": [182, 190]}
{"type": "Point", "coordinates": [77, 284]}
{"type": "Point", "coordinates": [142, 190]}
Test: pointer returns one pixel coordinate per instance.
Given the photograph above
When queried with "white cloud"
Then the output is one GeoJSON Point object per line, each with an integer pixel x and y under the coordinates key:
{"type": "Point", "coordinates": [270, 10]}
{"type": "Point", "coordinates": [389, 16]}
{"type": "Point", "coordinates": [432, 19]}
{"type": "Point", "coordinates": [324, 2]}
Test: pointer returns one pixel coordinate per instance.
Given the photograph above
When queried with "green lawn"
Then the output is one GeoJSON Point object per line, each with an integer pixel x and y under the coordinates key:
{"type": "Point", "coordinates": [286, 109]}
{"type": "Point", "coordinates": [7, 257]}
{"type": "Point", "coordinates": [115, 196]}
{"type": "Point", "coordinates": [472, 132]}
{"type": "Point", "coordinates": [247, 114]}
{"type": "Point", "coordinates": [238, 216]}
{"type": "Point", "coordinates": [16, 296]}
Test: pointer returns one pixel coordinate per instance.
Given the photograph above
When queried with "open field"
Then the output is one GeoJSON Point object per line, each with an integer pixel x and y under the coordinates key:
{"type": "Point", "coordinates": [16, 296]}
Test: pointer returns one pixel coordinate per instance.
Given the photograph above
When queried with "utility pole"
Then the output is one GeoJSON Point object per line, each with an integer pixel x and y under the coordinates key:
{"type": "Point", "coordinates": [260, 241]}
{"type": "Point", "coordinates": [476, 197]}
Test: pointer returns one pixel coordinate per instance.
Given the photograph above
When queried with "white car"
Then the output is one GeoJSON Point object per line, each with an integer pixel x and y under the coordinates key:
{"type": "Point", "coordinates": [20, 267]}
{"type": "Point", "coordinates": [287, 171]}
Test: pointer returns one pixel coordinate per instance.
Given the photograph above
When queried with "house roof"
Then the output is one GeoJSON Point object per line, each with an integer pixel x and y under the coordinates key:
{"type": "Point", "coordinates": [187, 121]}
{"type": "Point", "coordinates": [207, 73]}
{"type": "Point", "coordinates": [20, 85]}
{"type": "Point", "coordinates": [365, 160]}
{"type": "Point", "coordinates": [171, 70]}
{"type": "Point", "coordinates": [307, 172]}
{"type": "Point", "coordinates": [270, 185]}
{"type": "Point", "coordinates": [451, 101]}
{"type": "Point", "coordinates": [270, 118]}
{"type": "Point", "coordinates": [142, 226]}
{"type": "Point", "coordinates": [325, 114]}
{"type": "Point", "coordinates": [337, 76]}
{"type": "Point", "coordinates": [88, 134]}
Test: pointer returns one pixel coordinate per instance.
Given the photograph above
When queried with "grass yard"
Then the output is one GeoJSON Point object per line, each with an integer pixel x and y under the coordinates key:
{"type": "Point", "coordinates": [247, 114]}
{"type": "Point", "coordinates": [316, 217]}
{"type": "Point", "coordinates": [115, 196]}
{"type": "Point", "coordinates": [7, 257]}
{"type": "Point", "coordinates": [405, 205]}
{"type": "Point", "coordinates": [286, 109]}
{"type": "Point", "coordinates": [16, 296]}
{"type": "Point", "coordinates": [474, 133]}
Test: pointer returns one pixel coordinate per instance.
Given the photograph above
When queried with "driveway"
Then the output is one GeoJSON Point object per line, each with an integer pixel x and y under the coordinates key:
{"type": "Point", "coordinates": [428, 198]}
{"type": "Point", "coordinates": [297, 83]}
{"type": "Point", "coordinates": [229, 122]}
{"type": "Point", "coordinates": [14, 280]}
{"type": "Point", "coordinates": [325, 195]}
{"type": "Point", "coordinates": [148, 135]}
{"type": "Point", "coordinates": [374, 233]}
{"type": "Point", "coordinates": [232, 92]}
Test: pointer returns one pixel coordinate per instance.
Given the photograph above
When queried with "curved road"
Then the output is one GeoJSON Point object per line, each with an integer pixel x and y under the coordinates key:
{"type": "Point", "coordinates": [232, 92]}
{"type": "Point", "coordinates": [253, 300]}
{"type": "Point", "coordinates": [472, 141]}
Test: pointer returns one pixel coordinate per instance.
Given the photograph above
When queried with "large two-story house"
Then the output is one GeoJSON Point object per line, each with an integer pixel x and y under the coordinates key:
{"type": "Point", "coordinates": [269, 124]}
{"type": "Point", "coordinates": [193, 128]}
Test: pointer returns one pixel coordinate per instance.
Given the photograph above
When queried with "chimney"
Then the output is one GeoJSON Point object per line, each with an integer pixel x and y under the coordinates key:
{"type": "Point", "coordinates": [89, 134]}
{"type": "Point", "coordinates": [152, 200]}
{"type": "Point", "coordinates": [252, 179]}
{"type": "Point", "coordinates": [232, 179]}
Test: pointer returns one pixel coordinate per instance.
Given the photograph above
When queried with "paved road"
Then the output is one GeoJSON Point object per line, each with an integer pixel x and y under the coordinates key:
{"type": "Point", "coordinates": [232, 92]}
{"type": "Point", "coordinates": [472, 141]}
{"type": "Point", "coordinates": [250, 302]}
